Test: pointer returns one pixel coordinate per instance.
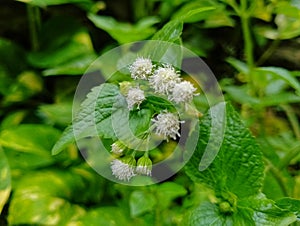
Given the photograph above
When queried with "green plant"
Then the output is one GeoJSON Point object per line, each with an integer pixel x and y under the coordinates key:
{"type": "Point", "coordinates": [250, 45]}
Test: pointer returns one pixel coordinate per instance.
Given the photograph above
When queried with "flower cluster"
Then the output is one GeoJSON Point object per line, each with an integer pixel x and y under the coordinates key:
{"type": "Point", "coordinates": [162, 80]}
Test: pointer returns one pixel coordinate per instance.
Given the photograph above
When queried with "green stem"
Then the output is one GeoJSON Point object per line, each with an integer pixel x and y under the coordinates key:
{"type": "Point", "coordinates": [294, 152]}
{"type": "Point", "coordinates": [269, 51]}
{"type": "Point", "coordinates": [248, 44]}
{"type": "Point", "coordinates": [292, 117]}
{"type": "Point", "coordinates": [34, 23]}
{"type": "Point", "coordinates": [278, 176]}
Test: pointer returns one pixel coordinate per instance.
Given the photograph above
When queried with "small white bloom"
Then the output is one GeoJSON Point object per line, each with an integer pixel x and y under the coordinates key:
{"type": "Point", "coordinates": [141, 68]}
{"type": "Point", "coordinates": [144, 166]}
{"type": "Point", "coordinates": [116, 148]}
{"type": "Point", "coordinates": [182, 92]}
{"type": "Point", "coordinates": [167, 125]}
{"type": "Point", "coordinates": [135, 96]}
{"type": "Point", "coordinates": [121, 170]}
{"type": "Point", "coordinates": [164, 79]}
{"type": "Point", "coordinates": [143, 170]}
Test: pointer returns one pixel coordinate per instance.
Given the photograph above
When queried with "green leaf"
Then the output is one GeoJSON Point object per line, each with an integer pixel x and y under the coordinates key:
{"type": "Point", "coordinates": [284, 75]}
{"type": "Point", "coordinates": [170, 32]}
{"type": "Point", "coordinates": [76, 66]}
{"type": "Point", "coordinates": [125, 32]}
{"type": "Point", "coordinates": [293, 205]}
{"type": "Point", "coordinates": [95, 110]}
{"type": "Point", "coordinates": [255, 210]}
{"type": "Point", "coordinates": [238, 166]}
{"type": "Point", "coordinates": [212, 13]}
{"type": "Point", "coordinates": [11, 55]}
{"type": "Point", "coordinates": [44, 3]}
{"type": "Point", "coordinates": [141, 202]}
{"type": "Point", "coordinates": [41, 209]}
{"type": "Point", "coordinates": [208, 214]}
{"type": "Point", "coordinates": [72, 44]}
{"type": "Point", "coordinates": [5, 186]}
{"type": "Point", "coordinates": [264, 212]}
{"type": "Point", "coordinates": [109, 216]}
{"type": "Point", "coordinates": [240, 95]}
{"type": "Point", "coordinates": [238, 65]}
{"type": "Point", "coordinates": [65, 184]}
{"type": "Point", "coordinates": [194, 14]}
{"type": "Point", "coordinates": [29, 145]}
{"type": "Point", "coordinates": [58, 113]}
{"type": "Point", "coordinates": [30, 138]}
{"type": "Point", "coordinates": [164, 50]}
{"type": "Point", "coordinates": [168, 191]}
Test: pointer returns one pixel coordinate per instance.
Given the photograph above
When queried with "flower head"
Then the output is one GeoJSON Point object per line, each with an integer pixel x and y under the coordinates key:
{"type": "Point", "coordinates": [167, 125]}
{"type": "Point", "coordinates": [135, 96]}
{"type": "Point", "coordinates": [164, 79]}
{"type": "Point", "coordinates": [117, 148]}
{"type": "Point", "coordinates": [182, 92]}
{"type": "Point", "coordinates": [144, 166]}
{"type": "Point", "coordinates": [141, 68]}
{"type": "Point", "coordinates": [123, 169]}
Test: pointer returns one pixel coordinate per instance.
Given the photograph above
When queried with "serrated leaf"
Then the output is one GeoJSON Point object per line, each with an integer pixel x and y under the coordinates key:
{"type": "Point", "coordinates": [141, 202]}
{"type": "Point", "coordinates": [238, 166]}
{"type": "Point", "coordinates": [208, 214]}
{"type": "Point", "coordinates": [94, 112]}
{"type": "Point", "coordinates": [253, 211]}
{"type": "Point", "coordinates": [264, 212]}
{"type": "Point", "coordinates": [5, 185]}
{"type": "Point", "coordinates": [293, 205]}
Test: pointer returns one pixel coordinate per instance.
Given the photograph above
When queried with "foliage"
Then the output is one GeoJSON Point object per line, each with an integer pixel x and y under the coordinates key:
{"type": "Point", "coordinates": [252, 47]}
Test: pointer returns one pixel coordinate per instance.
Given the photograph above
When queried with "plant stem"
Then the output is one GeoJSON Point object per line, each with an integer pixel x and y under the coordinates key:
{"type": "Point", "coordinates": [248, 44]}
{"type": "Point", "coordinates": [34, 23]}
{"type": "Point", "coordinates": [293, 119]}
{"type": "Point", "coordinates": [278, 176]}
{"type": "Point", "coordinates": [294, 152]}
{"type": "Point", "coordinates": [269, 51]}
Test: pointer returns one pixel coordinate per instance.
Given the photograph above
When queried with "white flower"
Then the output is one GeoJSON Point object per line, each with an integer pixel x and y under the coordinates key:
{"type": "Point", "coordinates": [121, 170]}
{"type": "Point", "coordinates": [164, 79]}
{"type": "Point", "coordinates": [182, 92]}
{"type": "Point", "coordinates": [117, 148]}
{"type": "Point", "coordinates": [167, 125]}
{"type": "Point", "coordinates": [141, 68]}
{"type": "Point", "coordinates": [144, 166]}
{"type": "Point", "coordinates": [135, 96]}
